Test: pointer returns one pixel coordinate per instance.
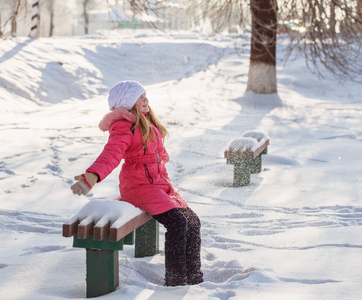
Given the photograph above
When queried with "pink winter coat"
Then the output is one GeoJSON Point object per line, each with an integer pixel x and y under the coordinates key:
{"type": "Point", "coordinates": [144, 181]}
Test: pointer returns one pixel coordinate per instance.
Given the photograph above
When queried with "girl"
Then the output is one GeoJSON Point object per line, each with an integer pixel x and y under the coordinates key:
{"type": "Point", "coordinates": [136, 135]}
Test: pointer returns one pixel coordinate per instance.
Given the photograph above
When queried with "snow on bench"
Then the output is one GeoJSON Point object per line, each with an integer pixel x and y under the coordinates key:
{"type": "Point", "coordinates": [102, 227]}
{"type": "Point", "coordinates": [245, 154]}
{"type": "Point", "coordinates": [110, 218]}
{"type": "Point", "coordinates": [250, 145]}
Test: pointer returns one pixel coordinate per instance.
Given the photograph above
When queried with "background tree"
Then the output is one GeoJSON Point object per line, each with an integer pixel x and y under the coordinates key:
{"type": "Point", "coordinates": [50, 10]}
{"type": "Point", "coordinates": [326, 31]}
{"type": "Point", "coordinates": [16, 6]}
{"type": "Point", "coordinates": [35, 20]}
{"type": "Point", "coordinates": [224, 15]}
{"type": "Point", "coordinates": [85, 16]}
{"type": "Point", "coordinates": [262, 68]}
{"type": "Point", "coordinates": [329, 35]}
{"type": "Point", "coordinates": [359, 9]}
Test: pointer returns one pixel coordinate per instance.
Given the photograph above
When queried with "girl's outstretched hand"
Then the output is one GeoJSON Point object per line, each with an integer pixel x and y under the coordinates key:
{"type": "Point", "coordinates": [84, 183]}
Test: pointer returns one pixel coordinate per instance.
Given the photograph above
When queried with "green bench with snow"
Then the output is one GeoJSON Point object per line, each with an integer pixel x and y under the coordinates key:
{"type": "Point", "coordinates": [245, 154]}
{"type": "Point", "coordinates": [102, 228]}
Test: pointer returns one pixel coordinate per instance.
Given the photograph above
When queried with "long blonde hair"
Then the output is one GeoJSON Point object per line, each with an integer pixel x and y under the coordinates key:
{"type": "Point", "coordinates": [143, 122]}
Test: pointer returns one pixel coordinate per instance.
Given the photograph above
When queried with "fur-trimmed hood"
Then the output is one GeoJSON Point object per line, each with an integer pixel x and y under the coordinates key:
{"type": "Point", "coordinates": [116, 115]}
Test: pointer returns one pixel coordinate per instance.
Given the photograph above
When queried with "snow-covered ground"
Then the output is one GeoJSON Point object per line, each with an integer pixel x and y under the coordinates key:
{"type": "Point", "coordinates": [294, 233]}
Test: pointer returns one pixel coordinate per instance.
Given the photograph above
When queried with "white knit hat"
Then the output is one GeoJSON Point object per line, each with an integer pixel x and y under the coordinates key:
{"type": "Point", "coordinates": [125, 94]}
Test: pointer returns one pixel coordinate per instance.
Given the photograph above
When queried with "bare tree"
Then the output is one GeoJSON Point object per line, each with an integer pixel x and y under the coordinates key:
{"type": "Point", "coordinates": [50, 7]}
{"type": "Point", "coordinates": [326, 31]}
{"type": "Point", "coordinates": [16, 9]}
{"type": "Point", "coordinates": [35, 20]}
{"type": "Point", "coordinates": [16, 6]}
{"type": "Point", "coordinates": [359, 9]}
{"type": "Point", "coordinates": [331, 36]}
{"type": "Point", "coordinates": [222, 15]}
{"type": "Point", "coordinates": [85, 16]}
{"type": "Point", "coordinates": [87, 6]}
{"type": "Point", "coordinates": [262, 68]}
{"type": "Point", "coordinates": [332, 18]}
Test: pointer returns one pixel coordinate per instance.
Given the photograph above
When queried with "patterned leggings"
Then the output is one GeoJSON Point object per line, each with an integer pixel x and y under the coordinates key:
{"type": "Point", "coordinates": [182, 246]}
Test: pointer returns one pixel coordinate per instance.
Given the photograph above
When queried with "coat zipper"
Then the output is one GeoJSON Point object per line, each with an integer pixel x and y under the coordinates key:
{"type": "Point", "coordinates": [147, 173]}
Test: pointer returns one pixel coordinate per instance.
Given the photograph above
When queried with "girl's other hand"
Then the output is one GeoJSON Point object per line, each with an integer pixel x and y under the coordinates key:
{"type": "Point", "coordinates": [84, 184]}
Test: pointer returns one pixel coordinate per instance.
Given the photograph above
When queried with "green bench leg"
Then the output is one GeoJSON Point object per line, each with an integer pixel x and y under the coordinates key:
{"type": "Point", "coordinates": [242, 171]}
{"type": "Point", "coordinates": [102, 272]}
{"type": "Point", "coordinates": [147, 239]}
{"type": "Point", "coordinates": [129, 239]}
{"type": "Point", "coordinates": [255, 166]}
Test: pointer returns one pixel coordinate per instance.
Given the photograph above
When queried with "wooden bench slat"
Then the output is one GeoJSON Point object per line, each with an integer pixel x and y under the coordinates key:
{"type": "Point", "coordinates": [70, 230]}
{"type": "Point", "coordinates": [260, 149]}
{"type": "Point", "coordinates": [101, 232]}
{"type": "Point", "coordinates": [116, 234]}
{"type": "Point", "coordinates": [85, 231]}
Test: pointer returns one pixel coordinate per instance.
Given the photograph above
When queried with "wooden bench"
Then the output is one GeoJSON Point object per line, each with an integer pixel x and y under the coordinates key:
{"type": "Point", "coordinates": [245, 154]}
{"type": "Point", "coordinates": [104, 238]}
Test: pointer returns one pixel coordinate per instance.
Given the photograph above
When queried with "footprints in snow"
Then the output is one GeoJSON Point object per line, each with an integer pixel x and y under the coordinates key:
{"type": "Point", "coordinates": [30, 222]}
{"type": "Point", "coordinates": [21, 171]}
{"type": "Point", "coordinates": [3, 169]}
{"type": "Point", "coordinates": [7, 173]}
{"type": "Point", "coordinates": [34, 224]}
{"type": "Point", "coordinates": [179, 170]}
{"type": "Point", "coordinates": [223, 272]}
{"type": "Point", "coordinates": [264, 221]}
{"type": "Point", "coordinates": [228, 274]}
{"type": "Point", "coordinates": [42, 249]}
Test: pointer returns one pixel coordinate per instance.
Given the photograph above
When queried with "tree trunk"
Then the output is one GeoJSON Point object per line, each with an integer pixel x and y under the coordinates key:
{"type": "Point", "coordinates": [262, 69]}
{"type": "Point", "coordinates": [51, 23]}
{"type": "Point", "coordinates": [359, 14]}
{"type": "Point", "coordinates": [35, 19]}
{"type": "Point", "coordinates": [85, 14]}
{"type": "Point", "coordinates": [359, 8]}
{"type": "Point", "coordinates": [13, 26]}
{"type": "Point", "coordinates": [332, 19]}
{"type": "Point", "coordinates": [13, 18]}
